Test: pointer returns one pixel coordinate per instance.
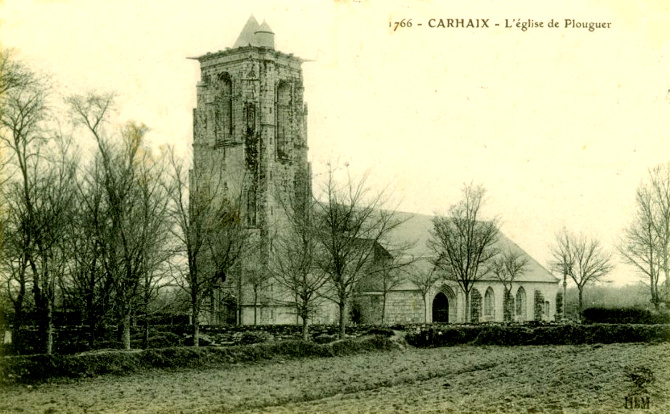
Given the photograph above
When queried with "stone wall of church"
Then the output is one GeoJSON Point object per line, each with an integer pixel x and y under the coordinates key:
{"type": "Point", "coordinates": [404, 307]}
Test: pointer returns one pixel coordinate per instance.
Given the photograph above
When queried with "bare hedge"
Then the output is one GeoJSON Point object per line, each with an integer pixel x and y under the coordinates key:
{"type": "Point", "coordinates": [39, 368]}
{"type": "Point", "coordinates": [569, 334]}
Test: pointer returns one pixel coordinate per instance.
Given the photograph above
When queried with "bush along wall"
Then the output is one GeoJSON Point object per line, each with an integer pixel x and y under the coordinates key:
{"type": "Point", "coordinates": [39, 368]}
{"type": "Point", "coordinates": [538, 335]}
{"type": "Point", "coordinates": [74, 339]}
{"type": "Point", "coordinates": [624, 315]}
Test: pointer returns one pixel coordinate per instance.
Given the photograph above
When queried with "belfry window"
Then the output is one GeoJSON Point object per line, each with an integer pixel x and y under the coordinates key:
{"type": "Point", "coordinates": [283, 117]}
{"type": "Point", "coordinates": [223, 109]}
{"type": "Point", "coordinates": [250, 117]}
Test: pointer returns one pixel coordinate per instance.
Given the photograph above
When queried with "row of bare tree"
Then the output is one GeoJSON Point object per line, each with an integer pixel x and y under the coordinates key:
{"type": "Point", "coordinates": [91, 231]}
{"type": "Point", "coordinates": [465, 249]}
{"type": "Point", "coordinates": [101, 230]}
{"type": "Point", "coordinates": [644, 244]}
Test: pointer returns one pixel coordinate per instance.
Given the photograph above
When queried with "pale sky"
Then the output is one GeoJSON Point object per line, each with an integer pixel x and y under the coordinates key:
{"type": "Point", "coordinates": [559, 124]}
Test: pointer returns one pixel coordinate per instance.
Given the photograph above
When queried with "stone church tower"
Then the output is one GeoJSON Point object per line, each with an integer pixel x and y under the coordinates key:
{"type": "Point", "coordinates": [249, 127]}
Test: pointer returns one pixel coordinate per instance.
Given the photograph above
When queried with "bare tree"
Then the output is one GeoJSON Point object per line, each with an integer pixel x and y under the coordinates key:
{"type": "Point", "coordinates": [463, 243]}
{"type": "Point", "coordinates": [645, 243]}
{"type": "Point", "coordinates": [640, 247]}
{"type": "Point", "coordinates": [135, 206]}
{"type": "Point", "coordinates": [23, 114]}
{"type": "Point", "coordinates": [55, 199]}
{"type": "Point", "coordinates": [208, 228]}
{"type": "Point", "coordinates": [257, 276]}
{"type": "Point", "coordinates": [424, 278]}
{"type": "Point", "coordinates": [14, 74]}
{"type": "Point", "coordinates": [42, 173]}
{"type": "Point", "coordinates": [87, 287]}
{"type": "Point", "coordinates": [351, 223]}
{"type": "Point", "coordinates": [14, 258]}
{"type": "Point", "coordinates": [507, 266]}
{"type": "Point", "coordinates": [582, 258]}
{"type": "Point", "coordinates": [659, 187]}
{"type": "Point", "coordinates": [295, 249]}
{"type": "Point", "coordinates": [156, 252]}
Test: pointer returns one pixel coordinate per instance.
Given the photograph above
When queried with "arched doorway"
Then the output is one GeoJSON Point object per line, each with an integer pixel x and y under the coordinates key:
{"type": "Point", "coordinates": [441, 308]}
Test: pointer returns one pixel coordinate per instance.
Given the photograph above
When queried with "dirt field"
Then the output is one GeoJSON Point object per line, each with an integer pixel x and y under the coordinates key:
{"type": "Point", "coordinates": [560, 379]}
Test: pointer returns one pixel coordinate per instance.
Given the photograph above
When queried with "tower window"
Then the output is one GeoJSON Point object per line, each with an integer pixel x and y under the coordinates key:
{"type": "Point", "coordinates": [250, 117]}
{"type": "Point", "coordinates": [282, 114]}
{"type": "Point", "coordinates": [223, 109]}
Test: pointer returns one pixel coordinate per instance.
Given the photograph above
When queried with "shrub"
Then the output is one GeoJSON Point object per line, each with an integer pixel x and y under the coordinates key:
{"type": "Point", "coordinates": [381, 331]}
{"type": "Point", "coordinates": [36, 368]}
{"type": "Point", "coordinates": [538, 335]}
{"type": "Point", "coordinates": [255, 337]}
{"type": "Point", "coordinates": [624, 315]}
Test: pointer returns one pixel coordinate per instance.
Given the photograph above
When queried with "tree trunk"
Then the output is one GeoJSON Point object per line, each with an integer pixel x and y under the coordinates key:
{"type": "Point", "coordinates": [654, 294]}
{"type": "Point", "coordinates": [507, 314]}
{"type": "Point", "coordinates": [145, 336]}
{"type": "Point", "coordinates": [467, 307]}
{"type": "Point", "coordinates": [196, 326]}
{"type": "Point", "coordinates": [565, 298]}
{"type": "Point", "coordinates": [125, 335]}
{"type": "Point", "coordinates": [90, 320]}
{"type": "Point", "coordinates": [343, 319]}
{"type": "Point", "coordinates": [425, 309]}
{"type": "Point", "coordinates": [18, 318]}
{"type": "Point", "coordinates": [581, 302]}
{"type": "Point", "coordinates": [239, 300]}
{"type": "Point", "coordinates": [305, 328]}
{"type": "Point", "coordinates": [49, 329]}
{"type": "Point", "coordinates": [383, 307]}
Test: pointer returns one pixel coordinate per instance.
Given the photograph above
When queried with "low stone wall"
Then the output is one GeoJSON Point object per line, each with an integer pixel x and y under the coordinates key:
{"type": "Point", "coordinates": [228, 335]}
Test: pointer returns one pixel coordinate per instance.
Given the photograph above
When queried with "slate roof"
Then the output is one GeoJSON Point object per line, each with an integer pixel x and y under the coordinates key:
{"type": "Point", "coordinates": [416, 229]}
{"type": "Point", "coordinates": [246, 36]}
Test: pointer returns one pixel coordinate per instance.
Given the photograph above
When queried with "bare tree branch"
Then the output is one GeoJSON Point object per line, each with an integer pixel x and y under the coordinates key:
{"type": "Point", "coordinates": [463, 243]}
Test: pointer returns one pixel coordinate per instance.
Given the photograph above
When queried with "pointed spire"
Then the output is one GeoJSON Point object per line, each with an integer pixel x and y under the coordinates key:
{"type": "Point", "coordinates": [264, 37]}
{"type": "Point", "coordinates": [264, 28]}
{"type": "Point", "coordinates": [246, 37]}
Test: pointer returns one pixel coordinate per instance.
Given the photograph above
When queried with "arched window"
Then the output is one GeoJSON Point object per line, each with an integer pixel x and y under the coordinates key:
{"type": "Point", "coordinates": [475, 305]}
{"type": "Point", "coordinates": [223, 109]}
{"type": "Point", "coordinates": [508, 306]}
{"type": "Point", "coordinates": [521, 304]}
{"type": "Point", "coordinates": [283, 117]}
{"type": "Point", "coordinates": [538, 305]}
{"type": "Point", "coordinates": [489, 305]}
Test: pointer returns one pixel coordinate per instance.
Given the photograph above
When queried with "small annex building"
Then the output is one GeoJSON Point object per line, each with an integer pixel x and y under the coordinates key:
{"type": "Point", "coordinates": [250, 135]}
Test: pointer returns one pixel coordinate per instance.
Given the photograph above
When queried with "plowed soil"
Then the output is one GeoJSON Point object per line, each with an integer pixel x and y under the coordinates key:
{"type": "Point", "coordinates": [528, 379]}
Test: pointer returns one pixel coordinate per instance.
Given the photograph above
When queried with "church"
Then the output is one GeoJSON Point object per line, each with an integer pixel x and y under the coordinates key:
{"type": "Point", "coordinates": [249, 128]}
